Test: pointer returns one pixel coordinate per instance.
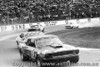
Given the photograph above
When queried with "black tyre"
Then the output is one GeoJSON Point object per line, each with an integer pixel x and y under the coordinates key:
{"type": "Point", "coordinates": [74, 60]}
{"type": "Point", "coordinates": [23, 57]}
{"type": "Point", "coordinates": [39, 63]}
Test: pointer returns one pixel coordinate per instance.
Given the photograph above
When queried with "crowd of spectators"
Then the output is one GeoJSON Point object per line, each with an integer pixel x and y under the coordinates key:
{"type": "Point", "coordinates": [46, 10]}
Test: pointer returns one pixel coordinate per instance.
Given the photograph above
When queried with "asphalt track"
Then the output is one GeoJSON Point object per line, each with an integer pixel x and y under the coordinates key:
{"type": "Point", "coordinates": [9, 55]}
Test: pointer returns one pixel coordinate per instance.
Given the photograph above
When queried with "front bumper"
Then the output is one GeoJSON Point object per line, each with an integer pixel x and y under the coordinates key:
{"type": "Point", "coordinates": [61, 58]}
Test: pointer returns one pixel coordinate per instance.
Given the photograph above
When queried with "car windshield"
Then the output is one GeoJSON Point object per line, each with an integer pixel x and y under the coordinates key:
{"type": "Point", "coordinates": [48, 41]}
{"type": "Point", "coordinates": [29, 34]}
{"type": "Point", "coordinates": [35, 26]}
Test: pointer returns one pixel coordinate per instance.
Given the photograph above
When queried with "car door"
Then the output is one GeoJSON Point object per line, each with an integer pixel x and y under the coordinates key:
{"type": "Point", "coordinates": [26, 49]}
{"type": "Point", "coordinates": [30, 50]}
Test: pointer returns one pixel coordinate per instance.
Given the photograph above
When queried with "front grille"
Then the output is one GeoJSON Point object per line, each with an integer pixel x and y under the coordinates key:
{"type": "Point", "coordinates": [59, 53]}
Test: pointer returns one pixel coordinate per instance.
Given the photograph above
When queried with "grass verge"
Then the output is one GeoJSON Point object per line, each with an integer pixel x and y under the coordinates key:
{"type": "Point", "coordinates": [85, 37]}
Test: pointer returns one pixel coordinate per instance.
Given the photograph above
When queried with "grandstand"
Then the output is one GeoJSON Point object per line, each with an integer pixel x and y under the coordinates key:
{"type": "Point", "coordinates": [24, 11]}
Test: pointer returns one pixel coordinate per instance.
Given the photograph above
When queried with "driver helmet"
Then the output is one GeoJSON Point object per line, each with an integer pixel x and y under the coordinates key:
{"type": "Point", "coordinates": [22, 35]}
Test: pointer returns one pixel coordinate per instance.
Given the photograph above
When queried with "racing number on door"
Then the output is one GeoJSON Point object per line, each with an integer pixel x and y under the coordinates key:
{"type": "Point", "coordinates": [33, 55]}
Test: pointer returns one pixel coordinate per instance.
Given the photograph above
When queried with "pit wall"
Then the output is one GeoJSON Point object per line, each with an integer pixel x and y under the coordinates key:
{"type": "Point", "coordinates": [80, 23]}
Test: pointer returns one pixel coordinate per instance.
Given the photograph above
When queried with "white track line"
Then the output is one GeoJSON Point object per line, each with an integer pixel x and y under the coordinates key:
{"type": "Point", "coordinates": [7, 37]}
{"type": "Point", "coordinates": [88, 49]}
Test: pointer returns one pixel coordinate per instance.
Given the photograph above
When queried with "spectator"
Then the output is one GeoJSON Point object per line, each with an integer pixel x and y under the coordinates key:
{"type": "Point", "coordinates": [45, 10]}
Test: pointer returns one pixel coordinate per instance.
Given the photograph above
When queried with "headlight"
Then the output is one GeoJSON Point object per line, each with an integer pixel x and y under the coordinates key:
{"type": "Point", "coordinates": [42, 55]}
{"type": "Point", "coordinates": [76, 51]}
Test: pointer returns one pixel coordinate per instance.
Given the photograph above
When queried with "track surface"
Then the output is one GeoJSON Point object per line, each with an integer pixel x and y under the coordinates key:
{"type": "Point", "coordinates": [83, 37]}
{"type": "Point", "coordinates": [9, 55]}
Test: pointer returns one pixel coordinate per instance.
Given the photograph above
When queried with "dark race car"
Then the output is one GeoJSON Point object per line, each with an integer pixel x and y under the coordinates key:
{"type": "Point", "coordinates": [48, 49]}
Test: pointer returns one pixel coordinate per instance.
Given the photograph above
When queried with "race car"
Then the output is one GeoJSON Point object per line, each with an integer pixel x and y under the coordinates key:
{"type": "Point", "coordinates": [37, 27]}
{"type": "Point", "coordinates": [48, 49]}
{"type": "Point", "coordinates": [71, 25]}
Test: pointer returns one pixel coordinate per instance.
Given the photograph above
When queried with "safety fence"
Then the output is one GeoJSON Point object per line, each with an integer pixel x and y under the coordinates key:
{"type": "Point", "coordinates": [80, 23]}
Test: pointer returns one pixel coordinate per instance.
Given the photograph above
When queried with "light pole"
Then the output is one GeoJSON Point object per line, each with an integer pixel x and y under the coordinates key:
{"type": "Point", "coordinates": [12, 20]}
{"type": "Point", "coordinates": [8, 18]}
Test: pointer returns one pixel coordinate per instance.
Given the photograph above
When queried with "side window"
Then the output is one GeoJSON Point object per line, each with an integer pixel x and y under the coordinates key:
{"type": "Point", "coordinates": [29, 43]}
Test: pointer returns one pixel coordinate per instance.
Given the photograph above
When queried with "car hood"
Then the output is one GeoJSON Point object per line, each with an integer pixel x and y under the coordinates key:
{"type": "Point", "coordinates": [54, 49]}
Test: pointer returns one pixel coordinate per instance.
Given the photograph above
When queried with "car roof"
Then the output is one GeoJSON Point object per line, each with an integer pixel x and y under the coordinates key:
{"type": "Point", "coordinates": [32, 32]}
{"type": "Point", "coordinates": [34, 25]}
{"type": "Point", "coordinates": [42, 36]}
{"type": "Point", "coordinates": [35, 33]}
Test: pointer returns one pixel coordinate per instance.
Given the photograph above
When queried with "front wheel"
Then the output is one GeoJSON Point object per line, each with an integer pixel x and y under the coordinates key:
{"type": "Point", "coordinates": [75, 59]}
{"type": "Point", "coordinates": [23, 57]}
{"type": "Point", "coordinates": [39, 63]}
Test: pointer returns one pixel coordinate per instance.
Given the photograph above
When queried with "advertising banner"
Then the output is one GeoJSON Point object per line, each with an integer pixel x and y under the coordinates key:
{"type": "Point", "coordinates": [50, 23]}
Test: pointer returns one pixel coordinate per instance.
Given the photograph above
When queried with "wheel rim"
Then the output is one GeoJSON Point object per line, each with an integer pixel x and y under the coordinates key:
{"type": "Point", "coordinates": [38, 63]}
